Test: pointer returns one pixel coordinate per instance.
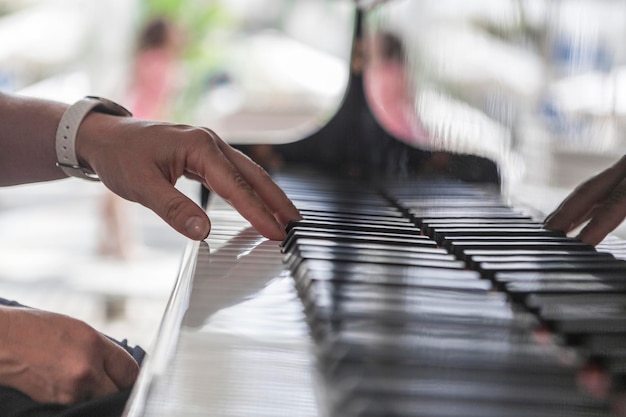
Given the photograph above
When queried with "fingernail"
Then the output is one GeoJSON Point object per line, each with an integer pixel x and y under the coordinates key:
{"type": "Point", "coordinates": [197, 228]}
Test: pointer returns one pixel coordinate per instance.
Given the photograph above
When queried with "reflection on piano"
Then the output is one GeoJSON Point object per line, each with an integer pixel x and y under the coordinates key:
{"type": "Point", "coordinates": [413, 289]}
{"type": "Point", "coordinates": [423, 298]}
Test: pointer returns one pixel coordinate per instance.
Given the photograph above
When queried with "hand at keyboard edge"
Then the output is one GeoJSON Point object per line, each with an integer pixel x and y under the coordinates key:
{"type": "Point", "coordinates": [141, 161]}
{"type": "Point", "coordinates": [57, 359]}
{"type": "Point", "coordinates": [600, 200]}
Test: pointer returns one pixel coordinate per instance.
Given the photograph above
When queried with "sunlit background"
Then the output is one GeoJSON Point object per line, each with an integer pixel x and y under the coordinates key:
{"type": "Point", "coordinates": [536, 85]}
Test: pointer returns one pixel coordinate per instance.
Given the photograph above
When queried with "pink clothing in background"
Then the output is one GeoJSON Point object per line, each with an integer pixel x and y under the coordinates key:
{"type": "Point", "coordinates": [153, 84]}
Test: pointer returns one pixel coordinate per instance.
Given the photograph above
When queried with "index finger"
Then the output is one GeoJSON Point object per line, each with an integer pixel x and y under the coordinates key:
{"type": "Point", "coordinates": [119, 366]}
{"type": "Point", "coordinates": [268, 191]}
{"type": "Point", "coordinates": [222, 176]}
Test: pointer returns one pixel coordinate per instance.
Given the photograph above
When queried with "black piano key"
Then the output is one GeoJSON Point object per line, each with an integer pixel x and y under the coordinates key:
{"type": "Point", "coordinates": [459, 248]}
{"type": "Point", "coordinates": [442, 220]}
{"type": "Point", "coordinates": [330, 244]}
{"type": "Point", "coordinates": [509, 241]}
{"type": "Point", "coordinates": [435, 278]}
{"type": "Point", "coordinates": [606, 343]}
{"type": "Point", "coordinates": [550, 238]}
{"type": "Point", "coordinates": [519, 290]}
{"type": "Point", "coordinates": [493, 229]}
{"type": "Point", "coordinates": [367, 220]}
{"type": "Point", "coordinates": [584, 319]}
{"type": "Point", "coordinates": [341, 257]}
{"type": "Point", "coordinates": [332, 226]}
{"type": "Point", "coordinates": [442, 235]}
{"type": "Point", "coordinates": [440, 203]}
{"type": "Point", "coordinates": [426, 406]}
{"type": "Point", "coordinates": [473, 391]}
{"type": "Point", "coordinates": [349, 208]}
{"type": "Point", "coordinates": [388, 215]}
{"type": "Point", "coordinates": [460, 212]}
{"type": "Point", "coordinates": [429, 228]}
{"type": "Point", "coordinates": [344, 196]}
{"type": "Point", "coordinates": [337, 318]}
{"type": "Point", "coordinates": [484, 221]}
{"type": "Point", "coordinates": [324, 293]}
{"type": "Point", "coordinates": [356, 299]}
{"type": "Point", "coordinates": [418, 350]}
{"type": "Point", "coordinates": [399, 240]}
{"type": "Point", "coordinates": [585, 250]}
{"type": "Point", "coordinates": [431, 223]}
{"type": "Point", "coordinates": [356, 371]}
{"type": "Point", "coordinates": [519, 330]}
{"type": "Point", "coordinates": [582, 316]}
{"type": "Point", "coordinates": [537, 301]}
{"type": "Point", "coordinates": [373, 234]}
{"type": "Point", "coordinates": [474, 261]}
{"type": "Point", "coordinates": [600, 275]}
{"type": "Point", "coordinates": [387, 251]}
{"type": "Point", "coordinates": [342, 290]}
{"type": "Point", "coordinates": [490, 269]}
{"type": "Point", "coordinates": [387, 271]}
{"type": "Point", "coordinates": [331, 294]}
{"type": "Point", "coordinates": [416, 313]}
{"type": "Point", "coordinates": [466, 388]}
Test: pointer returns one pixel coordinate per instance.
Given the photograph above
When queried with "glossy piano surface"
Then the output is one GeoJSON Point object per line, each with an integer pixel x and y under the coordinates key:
{"type": "Point", "coordinates": [420, 281]}
{"type": "Point", "coordinates": [234, 341]}
{"type": "Point", "coordinates": [345, 319]}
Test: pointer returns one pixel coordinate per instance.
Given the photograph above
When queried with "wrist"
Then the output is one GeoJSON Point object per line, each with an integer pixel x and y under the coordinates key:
{"type": "Point", "coordinates": [67, 147]}
{"type": "Point", "coordinates": [92, 135]}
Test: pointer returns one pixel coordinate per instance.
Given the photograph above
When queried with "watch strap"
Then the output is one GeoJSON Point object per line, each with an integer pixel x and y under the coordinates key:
{"type": "Point", "coordinates": [67, 131]}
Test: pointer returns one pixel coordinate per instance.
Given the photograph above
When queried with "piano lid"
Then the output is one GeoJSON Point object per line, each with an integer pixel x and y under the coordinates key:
{"type": "Point", "coordinates": [392, 87]}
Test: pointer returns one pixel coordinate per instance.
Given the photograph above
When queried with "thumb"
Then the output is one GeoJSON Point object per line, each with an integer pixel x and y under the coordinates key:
{"type": "Point", "coordinates": [176, 209]}
{"type": "Point", "coordinates": [119, 366]}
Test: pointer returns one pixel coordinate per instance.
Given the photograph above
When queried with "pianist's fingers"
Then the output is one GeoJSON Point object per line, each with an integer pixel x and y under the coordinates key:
{"type": "Point", "coordinates": [583, 203]}
{"type": "Point", "coordinates": [607, 217]}
{"type": "Point", "coordinates": [275, 199]}
{"type": "Point", "coordinates": [176, 209]}
{"type": "Point", "coordinates": [243, 184]}
{"type": "Point", "coordinates": [206, 162]}
{"type": "Point", "coordinates": [142, 160]}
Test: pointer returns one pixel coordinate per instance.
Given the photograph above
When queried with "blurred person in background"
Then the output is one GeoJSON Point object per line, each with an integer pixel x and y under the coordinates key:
{"type": "Point", "coordinates": [390, 90]}
{"type": "Point", "coordinates": [154, 83]}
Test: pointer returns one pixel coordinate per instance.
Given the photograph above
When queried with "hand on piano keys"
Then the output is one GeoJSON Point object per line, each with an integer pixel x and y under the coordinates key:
{"type": "Point", "coordinates": [141, 161]}
{"type": "Point", "coordinates": [601, 200]}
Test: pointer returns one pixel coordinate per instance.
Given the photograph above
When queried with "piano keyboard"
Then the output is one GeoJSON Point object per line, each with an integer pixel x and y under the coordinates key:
{"type": "Point", "coordinates": [429, 298]}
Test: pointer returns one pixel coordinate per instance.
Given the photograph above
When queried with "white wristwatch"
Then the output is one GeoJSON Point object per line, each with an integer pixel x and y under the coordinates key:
{"type": "Point", "coordinates": [68, 128]}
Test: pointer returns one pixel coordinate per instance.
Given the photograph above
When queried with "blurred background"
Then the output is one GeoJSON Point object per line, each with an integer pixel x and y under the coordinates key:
{"type": "Point", "coordinates": [536, 85]}
{"type": "Point", "coordinates": [255, 70]}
